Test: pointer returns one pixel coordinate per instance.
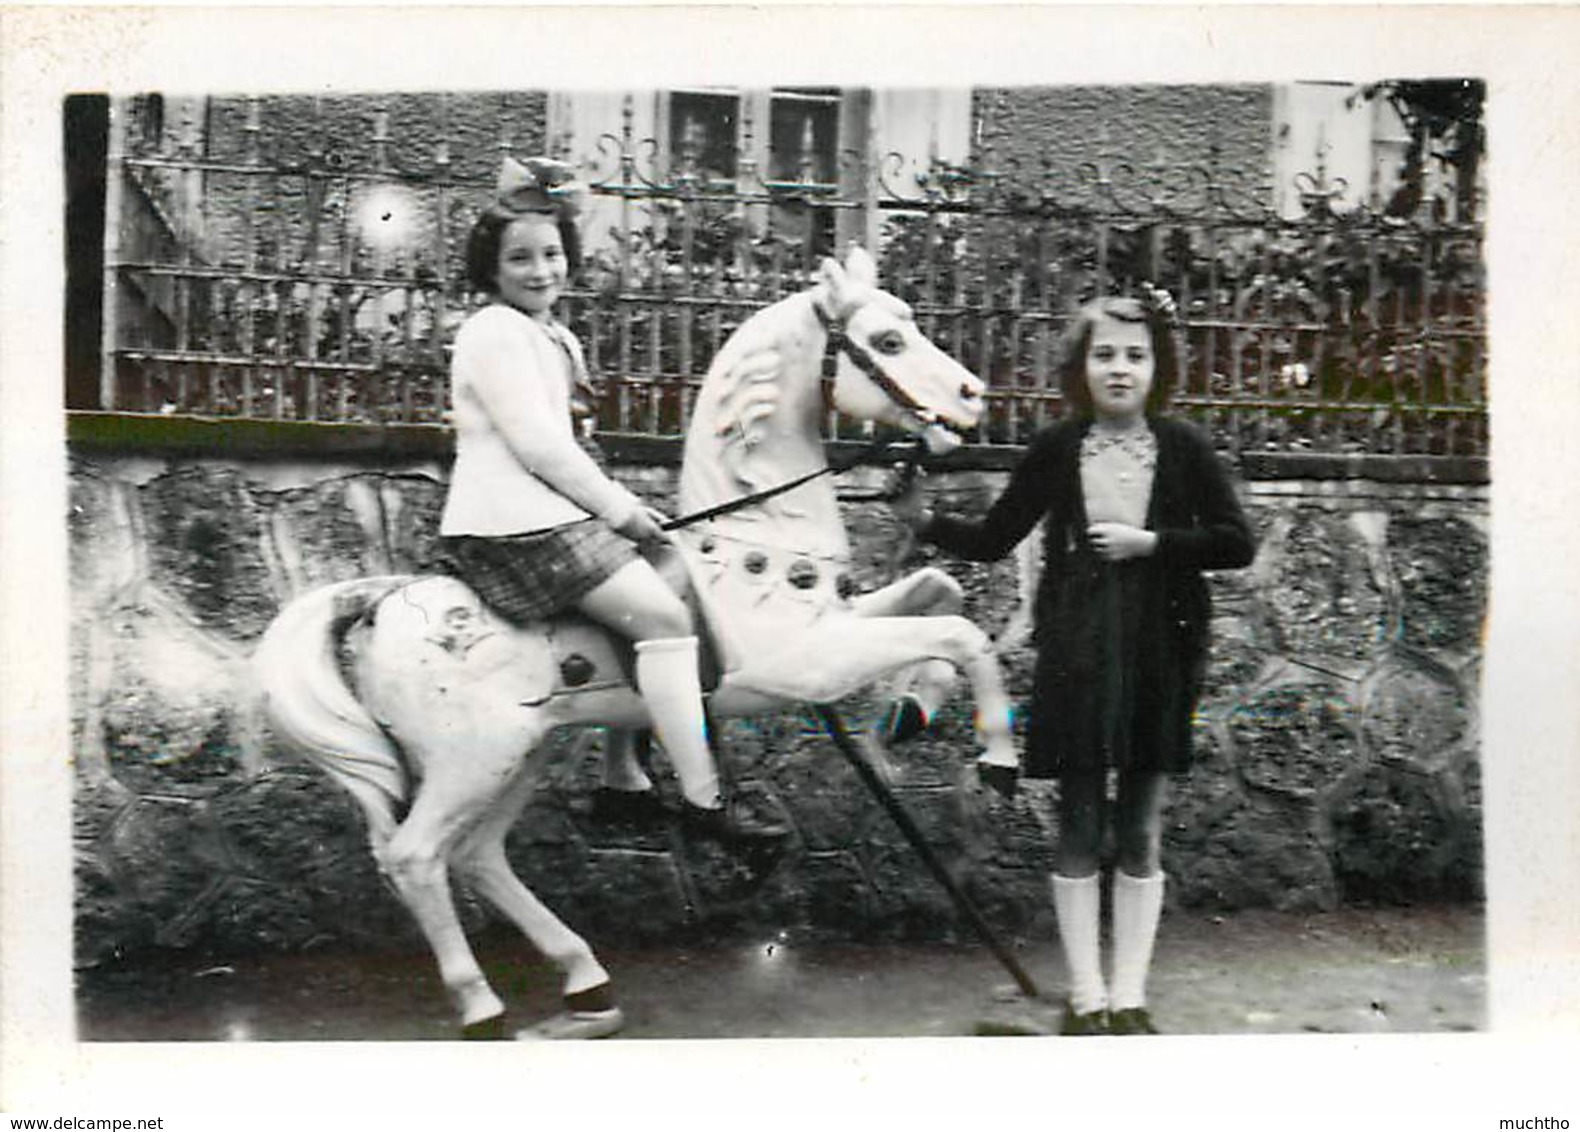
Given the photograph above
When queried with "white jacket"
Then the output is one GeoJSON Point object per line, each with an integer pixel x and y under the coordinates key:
{"type": "Point", "coordinates": [518, 467]}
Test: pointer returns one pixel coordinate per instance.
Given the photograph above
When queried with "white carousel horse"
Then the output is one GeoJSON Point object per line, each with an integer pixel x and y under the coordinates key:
{"type": "Point", "coordinates": [433, 723]}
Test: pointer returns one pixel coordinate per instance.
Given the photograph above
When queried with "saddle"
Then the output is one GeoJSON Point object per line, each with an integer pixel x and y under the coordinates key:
{"type": "Point", "coordinates": [565, 654]}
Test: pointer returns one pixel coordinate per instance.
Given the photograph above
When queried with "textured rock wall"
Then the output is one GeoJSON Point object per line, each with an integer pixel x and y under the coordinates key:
{"type": "Point", "coordinates": [1338, 738]}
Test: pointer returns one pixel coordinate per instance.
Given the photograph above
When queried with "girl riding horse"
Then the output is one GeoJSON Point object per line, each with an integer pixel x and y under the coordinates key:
{"type": "Point", "coordinates": [531, 521]}
{"type": "Point", "coordinates": [432, 711]}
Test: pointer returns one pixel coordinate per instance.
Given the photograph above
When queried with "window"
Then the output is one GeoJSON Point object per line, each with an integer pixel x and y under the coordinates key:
{"type": "Point", "coordinates": [703, 134]}
{"type": "Point", "coordinates": [790, 136]}
{"type": "Point", "coordinates": [819, 151]}
{"type": "Point", "coordinates": [790, 133]}
{"type": "Point", "coordinates": [804, 135]}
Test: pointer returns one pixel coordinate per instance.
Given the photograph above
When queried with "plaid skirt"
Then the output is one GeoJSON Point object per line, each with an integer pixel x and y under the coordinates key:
{"type": "Point", "coordinates": [531, 576]}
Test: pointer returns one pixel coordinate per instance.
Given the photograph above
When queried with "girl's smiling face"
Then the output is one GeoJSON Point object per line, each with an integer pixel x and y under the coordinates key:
{"type": "Point", "coordinates": [532, 265]}
{"type": "Point", "coordinates": [1119, 370]}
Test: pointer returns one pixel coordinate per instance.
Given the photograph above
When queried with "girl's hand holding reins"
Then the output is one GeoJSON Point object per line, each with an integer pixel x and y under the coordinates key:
{"type": "Point", "coordinates": [1115, 542]}
{"type": "Point", "coordinates": [904, 490]}
{"type": "Point", "coordinates": [643, 525]}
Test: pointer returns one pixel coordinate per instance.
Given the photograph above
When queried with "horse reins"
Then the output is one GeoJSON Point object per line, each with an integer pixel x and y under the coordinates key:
{"type": "Point", "coordinates": [742, 501]}
{"type": "Point", "coordinates": [837, 342]}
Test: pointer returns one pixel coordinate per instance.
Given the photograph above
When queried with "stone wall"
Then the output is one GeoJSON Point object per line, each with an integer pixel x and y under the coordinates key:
{"type": "Point", "coordinates": [1058, 129]}
{"type": "Point", "coordinates": [1338, 739]}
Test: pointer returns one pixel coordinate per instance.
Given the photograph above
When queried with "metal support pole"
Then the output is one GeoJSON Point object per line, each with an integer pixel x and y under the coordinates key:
{"type": "Point", "coordinates": [902, 818]}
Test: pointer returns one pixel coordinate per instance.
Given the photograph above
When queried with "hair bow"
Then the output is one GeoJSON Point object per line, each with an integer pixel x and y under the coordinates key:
{"type": "Point", "coordinates": [1160, 301]}
{"type": "Point", "coordinates": [540, 184]}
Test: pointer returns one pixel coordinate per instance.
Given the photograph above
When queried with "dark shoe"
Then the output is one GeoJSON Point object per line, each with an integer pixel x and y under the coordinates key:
{"type": "Point", "coordinates": [487, 1030]}
{"type": "Point", "coordinates": [629, 807]}
{"type": "Point", "coordinates": [1131, 1020]}
{"type": "Point", "coordinates": [728, 823]}
{"type": "Point", "coordinates": [1001, 779]}
{"type": "Point", "coordinates": [1092, 1024]}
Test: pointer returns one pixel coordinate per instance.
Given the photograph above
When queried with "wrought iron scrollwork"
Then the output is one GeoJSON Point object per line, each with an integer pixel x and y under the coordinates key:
{"type": "Point", "coordinates": [1305, 313]}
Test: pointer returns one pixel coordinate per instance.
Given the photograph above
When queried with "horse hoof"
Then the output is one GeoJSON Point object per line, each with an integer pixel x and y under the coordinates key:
{"type": "Point", "coordinates": [487, 1030]}
{"type": "Point", "coordinates": [575, 1025]}
{"type": "Point", "coordinates": [906, 720]}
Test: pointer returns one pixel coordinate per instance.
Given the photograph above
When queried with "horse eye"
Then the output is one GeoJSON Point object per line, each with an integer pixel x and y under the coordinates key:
{"type": "Point", "coordinates": [888, 342]}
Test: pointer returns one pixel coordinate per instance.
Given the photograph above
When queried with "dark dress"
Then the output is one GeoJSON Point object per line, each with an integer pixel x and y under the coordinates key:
{"type": "Point", "coordinates": [1121, 646]}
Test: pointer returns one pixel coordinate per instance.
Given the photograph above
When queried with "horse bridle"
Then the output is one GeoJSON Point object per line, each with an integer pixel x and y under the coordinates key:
{"type": "Point", "coordinates": [838, 341]}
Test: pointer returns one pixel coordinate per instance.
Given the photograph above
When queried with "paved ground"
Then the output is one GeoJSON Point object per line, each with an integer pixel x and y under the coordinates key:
{"type": "Point", "coordinates": [1401, 970]}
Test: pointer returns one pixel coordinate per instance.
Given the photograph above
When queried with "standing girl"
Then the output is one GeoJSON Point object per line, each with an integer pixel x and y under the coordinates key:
{"type": "Point", "coordinates": [1135, 505]}
{"type": "Point", "coordinates": [531, 521]}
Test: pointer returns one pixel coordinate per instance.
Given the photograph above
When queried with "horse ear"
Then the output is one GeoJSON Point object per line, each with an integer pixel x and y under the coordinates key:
{"type": "Point", "coordinates": [838, 282]}
{"type": "Point", "coordinates": [860, 266]}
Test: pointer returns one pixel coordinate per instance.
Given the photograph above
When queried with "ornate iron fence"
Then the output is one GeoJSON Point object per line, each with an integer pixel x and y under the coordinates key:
{"type": "Point", "coordinates": [260, 265]}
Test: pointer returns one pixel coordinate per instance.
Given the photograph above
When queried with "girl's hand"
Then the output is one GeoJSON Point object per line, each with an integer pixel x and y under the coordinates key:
{"type": "Point", "coordinates": [1115, 542]}
{"type": "Point", "coordinates": [904, 489]}
{"type": "Point", "coordinates": [643, 525]}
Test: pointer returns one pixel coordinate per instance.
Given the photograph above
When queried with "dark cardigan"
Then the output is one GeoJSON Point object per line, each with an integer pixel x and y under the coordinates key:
{"type": "Point", "coordinates": [1121, 647]}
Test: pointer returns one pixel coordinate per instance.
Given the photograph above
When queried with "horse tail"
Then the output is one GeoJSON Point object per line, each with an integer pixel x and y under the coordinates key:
{"type": "Point", "coordinates": [310, 706]}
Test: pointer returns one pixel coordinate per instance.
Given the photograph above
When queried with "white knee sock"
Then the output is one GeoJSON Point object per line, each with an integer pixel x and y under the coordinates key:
{"type": "Point", "coordinates": [1138, 905]}
{"type": "Point", "coordinates": [1077, 902]}
{"type": "Point", "coordinates": [666, 675]}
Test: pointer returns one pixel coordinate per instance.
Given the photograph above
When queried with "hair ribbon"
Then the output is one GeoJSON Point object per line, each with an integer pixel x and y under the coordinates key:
{"type": "Point", "coordinates": [540, 184]}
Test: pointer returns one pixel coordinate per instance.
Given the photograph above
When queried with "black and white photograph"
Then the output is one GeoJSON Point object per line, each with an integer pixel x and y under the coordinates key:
{"type": "Point", "coordinates": [691, 551]}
